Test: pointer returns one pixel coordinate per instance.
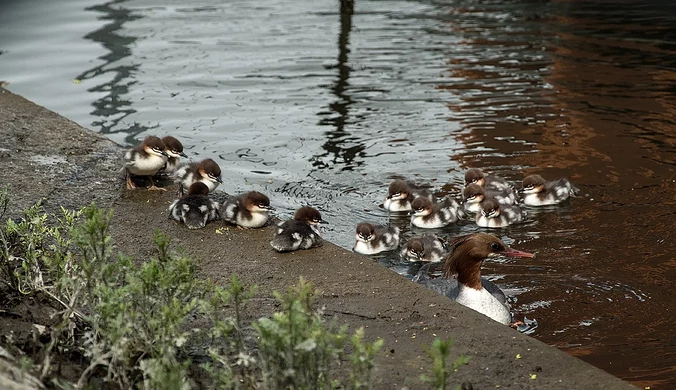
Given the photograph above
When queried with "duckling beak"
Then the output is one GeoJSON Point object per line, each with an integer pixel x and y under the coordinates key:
{"type": "Point", "coordinates": [218, 179]}
{"type": "Point", "coordinates": [510, 252]}
{"type": "Point", "coordinates": [165, 154]}
{"type": "Point", "coordinates": [183, 155]}
{"type": "Point", "coordinates": [323, 221]}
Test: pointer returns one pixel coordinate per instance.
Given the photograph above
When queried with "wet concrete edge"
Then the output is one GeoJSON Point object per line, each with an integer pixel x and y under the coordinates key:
{"type": "Point", "coordinates": [46, 156]}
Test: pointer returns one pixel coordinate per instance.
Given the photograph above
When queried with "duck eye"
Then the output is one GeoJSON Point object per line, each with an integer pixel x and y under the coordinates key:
{"type": "Point", "coordinates": [175, 151]}
{"type": "Point", "coordinates": [495, 246]}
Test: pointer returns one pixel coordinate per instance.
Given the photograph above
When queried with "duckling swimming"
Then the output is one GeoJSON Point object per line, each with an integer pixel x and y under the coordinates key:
{"type": "Point", "coordinates": [538, 192]}
{"type": "Point", "coordinates": [372, 239]}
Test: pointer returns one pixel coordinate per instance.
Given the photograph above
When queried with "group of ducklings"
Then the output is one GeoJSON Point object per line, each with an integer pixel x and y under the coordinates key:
{"type": "Point", "coordinates": [493, 202]}
{"type": "Point", "coordinates": [159, 157]}
{"type": "Point", "coordinates": [492, 199]}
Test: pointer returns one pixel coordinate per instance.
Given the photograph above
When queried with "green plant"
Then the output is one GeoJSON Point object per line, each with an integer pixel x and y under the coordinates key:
{"type": "Point", "coordinates": [439, 352]}
{"type": "Point", "coordinates": [130, 320]}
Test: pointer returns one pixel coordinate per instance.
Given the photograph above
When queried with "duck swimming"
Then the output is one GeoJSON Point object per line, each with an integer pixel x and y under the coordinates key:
{"type": "Point", "coordinates": [538, 192]}
{"type": "Point", "coordinates": [465, 259]}
{"type": "Point", "coordinates": [400, 194]}
{"type": "Point", "coordinates": [372, 239]}
{"type": "Point", "coordinates": [428, 248]}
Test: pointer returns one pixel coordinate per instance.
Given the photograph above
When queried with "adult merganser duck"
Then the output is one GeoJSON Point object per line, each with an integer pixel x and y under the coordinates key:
{"type": "Point", "coordinates": [145, 160]}
{"type": "Point", "coordinates": [400, 194]}
{"type": "Point", "coordinates": [467, 254]}
{"type": "Point", "coordinates": [428, 248]}
{"type": "Point", "coordinates": [538, 192]}
{"type": "Point", "coordinates": [301, 232]}
{"type": "Point", "coordinates": [249, 210]}
{"type": "Point", "coordinates": [449, 287]}
{"type": "Point", "coordinates": [174, 149]}
{"type": "Point", "coordinates": [196, 209]}
{"type": "Point", "coordinates": [428, 215]}
{"type": "Point", "coordinates": [474, 194]}
{"type": "Point", "coordinates": [495, 215]}
{"type": "Point", "coordinates": [475, 175]}
{"type": "Point", "coordinates": [206, 171]}
{"type": "Point", "coordinates": [372, 239]}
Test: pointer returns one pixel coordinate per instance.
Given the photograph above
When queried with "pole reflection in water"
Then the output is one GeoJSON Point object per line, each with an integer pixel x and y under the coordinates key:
{"type": "Point", "coordinates": [113, 108]}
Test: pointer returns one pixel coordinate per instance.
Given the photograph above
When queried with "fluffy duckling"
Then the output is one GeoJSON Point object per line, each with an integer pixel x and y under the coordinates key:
{"type": "Point", "coordinates": [174, 149]}
{"type": "Point", "coordinates": [474, 194]}
{"type": "Point", "coordinates": [206, 171]}
{"type": "Point", "coordinates": [538, 192]}
{"type": "Point", "coordinates": [301, 232]}
{"type": "Point", "coordinates": [145, 160]}
{"type": "Point", "coordinates": [495, 215]}
{"type": "Point", "coordinates": [428, 248]}
{"type": "Point", "coordinates": [196, 209]}
{"type": "Point", "coordinates": [467, 254]}
{"type": "Point", "coordinates": [475, 175]}
{"type": "Point", "coordinates": [435, 215]}
{"type": "Point", "coordinates": [249, 210]}
{"type": "Point", "coordinates": [400, 194]}
{"type": "Point", "coordinates": [372, 239]}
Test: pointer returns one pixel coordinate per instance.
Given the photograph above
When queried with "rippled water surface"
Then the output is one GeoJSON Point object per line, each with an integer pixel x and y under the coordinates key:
{"type": "Point", "coordinates": [311, 105]}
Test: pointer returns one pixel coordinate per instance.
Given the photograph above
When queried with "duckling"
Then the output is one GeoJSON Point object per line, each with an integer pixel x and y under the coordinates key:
{"type": "Point", "coordinates": [145, 160]}
{"type": "Point", "coordinates": [495, 215]}
{"type": "Point", "coordinates": [196, 209]}
{"type": "Point", "coordinates": [400, 194]}
{"type": "Point", "coordinates": [372, 239]}
{"type": "Point", "coordinates": [538, 192]}
{"type": "Point", "coordinates": [206, 171]}
{"type": "Point", "coordinates": [475, 175]}
{"type": "Point", "coordinates": [428, 248]}
{"type": "Point", "coordinates": [474, 194]}
{"type": "Point", "coordinates": [467, 254]}
{"type": "Point", "coordinates": [174, 149]}
{"type": "Point", "coordinates": [249, 210]}
{"type": "Point", "coordinates": [301, 232]}
{"type": "Point", "coordinates": [428, 215]}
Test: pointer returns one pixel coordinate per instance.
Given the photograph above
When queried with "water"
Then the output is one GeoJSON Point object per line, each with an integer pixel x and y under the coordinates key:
{"type": "Point", "coordinates": [316, 107]}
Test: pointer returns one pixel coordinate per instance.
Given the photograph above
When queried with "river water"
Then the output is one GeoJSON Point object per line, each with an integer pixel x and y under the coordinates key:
{"type": "Point", "coordinates": [316, 106]}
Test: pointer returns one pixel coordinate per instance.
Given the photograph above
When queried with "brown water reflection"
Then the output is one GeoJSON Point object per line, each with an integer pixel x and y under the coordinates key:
{"type": "Point", "coordinates": [586, 92]}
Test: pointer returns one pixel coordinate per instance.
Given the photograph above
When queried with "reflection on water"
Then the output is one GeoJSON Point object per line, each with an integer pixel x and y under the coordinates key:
{"type": "Point", "coordinates": [113, 107]}
{"type": "Point", "coordinates": [421, 90]}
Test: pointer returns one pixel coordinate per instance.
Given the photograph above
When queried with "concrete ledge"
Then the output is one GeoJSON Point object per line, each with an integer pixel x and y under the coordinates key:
{"type": "Point", "coordinates": [44, 155]}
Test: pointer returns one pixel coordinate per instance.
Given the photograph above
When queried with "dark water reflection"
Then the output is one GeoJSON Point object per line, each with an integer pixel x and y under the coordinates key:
{"type": "Point", "coordinates": [315, 104]}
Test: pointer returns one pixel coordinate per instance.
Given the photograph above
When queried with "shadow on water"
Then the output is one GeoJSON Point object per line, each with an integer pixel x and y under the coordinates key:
{"type": "Point", "coordinates": [113, 108]}
{"type": "Point", "coordinates": [340, 147]}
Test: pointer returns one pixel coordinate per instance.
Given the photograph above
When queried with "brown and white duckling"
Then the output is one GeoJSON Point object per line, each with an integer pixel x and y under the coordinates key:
{"type": "Point", "coordinates": [475, 175]}
{"type": "Point", "coordinates": [196, 209]}
{"type": "Point", "coordinates": [145, 160]}
{"type": "Point", "coordinates": [206, 171]}
{"type": "Point", "coordinates": [474, 194]}
{"type": "Point", "coordinates": [538, 192]}
{"type": "Point", "coordinates": [400, 194]}
{"type": "Point", "coordinates": [435, 215]}
{"type": "Point", "coordinates": [249, 210]}
{"type": "Point", "coordinates": [467, 254]}
{"type": "Point", "coordinates": [301, 232]}
{"type": "Point", "coordinates": [495, 215]}
{"type": "Point", "coordinates": [372, 239]}
{"type": "Point", "coordinates": [174, 149]}
{"type": "Point", "coordinates": [428, 248]}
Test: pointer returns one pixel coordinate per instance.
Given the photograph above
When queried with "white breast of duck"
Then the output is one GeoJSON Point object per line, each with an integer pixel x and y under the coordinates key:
{"type": "Point", "coordinates": [485, 303]}
{"type": "Point", "coordinates": [141, 165]}
{"type": "Point", "coordinates": [397, 205]}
